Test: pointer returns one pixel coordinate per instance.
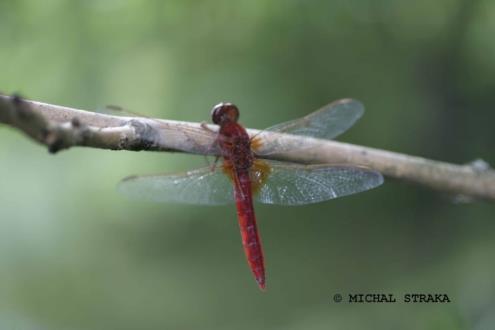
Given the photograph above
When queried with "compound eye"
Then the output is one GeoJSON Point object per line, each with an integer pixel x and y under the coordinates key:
{"type": "Point", "coordinates": [216, 113]}
{"type": "Point", "coordinates": [233, 112]}
{"type": "Point", "coordinates": [224, 112]}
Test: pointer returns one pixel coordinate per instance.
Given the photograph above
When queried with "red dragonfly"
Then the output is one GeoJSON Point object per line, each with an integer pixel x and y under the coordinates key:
{"type": "Point", "coordinates": [243, 176]}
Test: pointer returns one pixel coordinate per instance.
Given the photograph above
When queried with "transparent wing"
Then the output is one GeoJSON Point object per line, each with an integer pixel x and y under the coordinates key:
{"type": "Point", "coordinates": [196, 138]}
{"type": "Point", "coordinates": [203, 186]}
{"type": "Point", "coordinates": [292, 184]}
{"type": "Point", "coordinates": [325, 123]}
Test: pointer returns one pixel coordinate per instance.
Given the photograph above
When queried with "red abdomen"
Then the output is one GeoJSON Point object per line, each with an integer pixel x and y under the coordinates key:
{"type": "Point", "coordinates": [238, 159]}
{"type": "Point", "coordinates": [247, 222]}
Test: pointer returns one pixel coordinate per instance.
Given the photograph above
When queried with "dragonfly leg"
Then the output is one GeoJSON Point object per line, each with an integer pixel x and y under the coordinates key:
{"type": "Point", "coordinates": [204, 125]}
{"type": "Point", "coordinates": [215, 162]}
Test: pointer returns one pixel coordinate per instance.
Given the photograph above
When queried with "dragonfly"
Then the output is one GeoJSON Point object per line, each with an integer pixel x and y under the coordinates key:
{"type": "Point", "coordinates": [244, 176]}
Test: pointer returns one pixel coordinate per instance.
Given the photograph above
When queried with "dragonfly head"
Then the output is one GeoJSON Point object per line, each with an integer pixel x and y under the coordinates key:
{"type": "Point", "coordinates": [224, 112]}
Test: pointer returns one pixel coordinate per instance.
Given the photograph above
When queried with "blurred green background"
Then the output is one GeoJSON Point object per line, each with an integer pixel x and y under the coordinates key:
{"type": "Point", "coordinates": [76, 255]}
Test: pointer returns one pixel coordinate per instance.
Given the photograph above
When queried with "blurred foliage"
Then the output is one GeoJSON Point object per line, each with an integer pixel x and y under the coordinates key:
{"type": "Point", "coordinates": [75, 255]}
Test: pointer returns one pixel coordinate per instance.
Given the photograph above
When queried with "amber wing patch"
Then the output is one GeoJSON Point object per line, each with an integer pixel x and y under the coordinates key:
{"type": "Point", "coordinates": [259, 173]}
{"type": "Point", "coordinates": [255, 143]}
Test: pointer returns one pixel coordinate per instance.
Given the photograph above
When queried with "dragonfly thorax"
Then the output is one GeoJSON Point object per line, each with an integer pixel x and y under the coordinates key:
{"type": "Point", "coordinates": [235, 145]}
{"type": "Point", "coordinates": [241, 154]}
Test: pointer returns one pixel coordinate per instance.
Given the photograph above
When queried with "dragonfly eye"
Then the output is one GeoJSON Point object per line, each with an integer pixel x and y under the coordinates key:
{"type": "Point", "coordinates": [224, 112]}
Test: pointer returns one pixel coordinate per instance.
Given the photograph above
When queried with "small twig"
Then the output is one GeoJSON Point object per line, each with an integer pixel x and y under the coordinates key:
{"type": "Point", "coordinates": [62, 127]}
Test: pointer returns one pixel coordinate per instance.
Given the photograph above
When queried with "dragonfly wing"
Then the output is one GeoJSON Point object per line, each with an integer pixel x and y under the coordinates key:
{"type": "Point", "coordinates": [292, 184]}
{"type": "Point", "coordinates": [203, 186]}
{"type": "Point", "coordinates": [326, 123]}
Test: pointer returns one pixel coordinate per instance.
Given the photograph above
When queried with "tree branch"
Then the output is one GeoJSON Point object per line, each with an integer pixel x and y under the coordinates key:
{"type": "Point", "coordinates": [61, 127]}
